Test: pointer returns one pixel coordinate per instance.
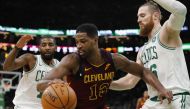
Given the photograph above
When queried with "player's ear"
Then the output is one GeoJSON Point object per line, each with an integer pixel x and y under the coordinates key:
{"type": "Point", "coordinates": [96, 39]}
{"type": "Point", "coordinates": [156, 16]}
{"type": "Point", "coordinates": [55, 47]}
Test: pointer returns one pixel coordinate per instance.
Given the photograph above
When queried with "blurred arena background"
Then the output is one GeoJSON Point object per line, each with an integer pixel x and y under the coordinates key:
{"type": "Point", "coordinates": [118, 31]}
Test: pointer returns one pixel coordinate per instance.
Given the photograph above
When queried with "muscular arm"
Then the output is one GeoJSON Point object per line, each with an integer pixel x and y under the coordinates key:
{"type": "Point", "coordinates": [178, 13]}
{"type": "Point", "coordinates": [171, 28]}
{"type": "Point", "coordinates": [13, 63]}
{"type": "Point", "coordinates": [127, 82]}
{"type": "Point", "coordinates": [68, 65]}
{"type": "Point", "coordinates": [122, 63]}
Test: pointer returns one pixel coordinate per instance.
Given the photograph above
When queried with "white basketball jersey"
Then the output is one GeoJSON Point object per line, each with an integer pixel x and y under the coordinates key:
{"type": "Point", "coordinates": [26, 95]}
{"type": "Point", "coordinates": [167, 63]}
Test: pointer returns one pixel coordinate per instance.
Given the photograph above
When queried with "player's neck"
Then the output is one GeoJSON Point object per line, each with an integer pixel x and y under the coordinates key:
{"type": "Point", "coordinates": [154, 31]}
{"type": "Point", "coordinates": [48, 62]}
{"type": "Point", "coordinates": [95, 58]}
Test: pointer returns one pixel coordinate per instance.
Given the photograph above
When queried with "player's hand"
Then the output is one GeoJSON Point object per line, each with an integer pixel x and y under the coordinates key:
{"type": "Point", "coordinates": [57, 81]}
{"type": "Point", "coordinates": [23, 41]}
{"type": "Point", "coordinates": [166, 94]}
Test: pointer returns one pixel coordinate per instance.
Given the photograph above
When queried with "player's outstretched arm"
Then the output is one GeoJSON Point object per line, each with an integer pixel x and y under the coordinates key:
{"type": "Point", "coordinates": [178, 13]}
{"type": "Point", "coordinates": [13, 63]}
{"type": "Point", "coordinates": [122, 63]}
{"type": "Point", "coordinates": [68, 66]}
{"type": "Point", "coordinates": [174, 24]}
{"type": "Point", "coordinates": [129, 81]}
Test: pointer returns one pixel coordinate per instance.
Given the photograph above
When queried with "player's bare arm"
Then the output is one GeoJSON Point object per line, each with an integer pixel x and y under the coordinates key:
{"type": "Point", "coordinates": [27, 60]}
{"type": "Point", "coordinates": [13, 63]}
{"type": "Point", "coordinates": [170, 32]}
{"type": "Point", "coordinates": [68, 66]}
{"type": "Point", "coordinates": [122, 63]}
{"type": "Point", "coordinates": [127, 82]}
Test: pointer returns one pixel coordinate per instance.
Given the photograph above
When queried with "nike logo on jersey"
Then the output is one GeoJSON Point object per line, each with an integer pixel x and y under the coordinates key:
{"type": "Point", "coordinates": [87, 69]}
{"type": "Point", "coordinates": [107, 66]}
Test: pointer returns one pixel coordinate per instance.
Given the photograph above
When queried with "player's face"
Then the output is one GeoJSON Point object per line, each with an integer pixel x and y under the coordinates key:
{"type": "Point", "coordinates": [145, 20]}
{"type": "Point", "coordinates": [85, 44]}
{"type": "Point", "coordinates": [47, 48]}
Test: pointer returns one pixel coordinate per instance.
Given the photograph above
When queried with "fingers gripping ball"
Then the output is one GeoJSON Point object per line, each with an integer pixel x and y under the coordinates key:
{"type": "Point", "coordinates": [59, 96]}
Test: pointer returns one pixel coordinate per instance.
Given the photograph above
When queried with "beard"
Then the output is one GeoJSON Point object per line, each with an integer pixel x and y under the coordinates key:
{"type": "Point", "coordinates": [147, 28]}
{"type": "Point", "coordinates": [47, 56]}
{"type": "Point", "coordinates": [86, 53]}
{"type": "Point", "coordinates": [83, 54]}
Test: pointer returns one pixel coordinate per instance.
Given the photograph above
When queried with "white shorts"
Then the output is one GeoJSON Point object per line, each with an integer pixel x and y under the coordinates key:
{"type": "Point", "coordinates": [180, 101]}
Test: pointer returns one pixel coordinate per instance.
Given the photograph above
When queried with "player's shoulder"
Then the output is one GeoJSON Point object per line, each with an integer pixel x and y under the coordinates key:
{"type": "Point", "coordinates": [71, 61]}
{"type": "Point", "coordinates": [141, 47]}
{"type": "Point", "coordinates": [116, 55]}
{"type": "Point", "coordinates": [71, 58]}
{"type": "Point", "coordinates": [28, 56]}
{"type": "Point", "coordinates": [74, 56]}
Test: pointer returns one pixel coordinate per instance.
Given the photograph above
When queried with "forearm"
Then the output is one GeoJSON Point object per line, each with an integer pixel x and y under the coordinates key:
{"type": "Point", "coordinates": [178, 10]}
{"type": "Point", "coordinates": [119, 87]}
{"type": "Point", "coordinates": [116, 85]}
{"type": "Point", "coordinates": [152, 80]}
{"type": "Point", "coordinates": [124, 83]}
{"type": "Point", "coordinates": [9, 61]}
{"type": "Point", "coordinates": [42, 85]}
{"type": "Point", "coordinates": [173, 6]}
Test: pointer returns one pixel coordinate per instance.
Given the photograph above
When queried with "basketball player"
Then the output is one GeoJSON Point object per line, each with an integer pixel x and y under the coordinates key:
{"type": "Point", "coordinates": [34, 67]}
{"type": "Point", "coordinates": [163, 54]}
{"type": "Point", "coordinates": [91, 70]}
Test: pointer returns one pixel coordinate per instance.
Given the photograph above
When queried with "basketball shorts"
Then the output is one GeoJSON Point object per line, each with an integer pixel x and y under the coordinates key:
{"type": "Point", "coordinates": [180, 101]}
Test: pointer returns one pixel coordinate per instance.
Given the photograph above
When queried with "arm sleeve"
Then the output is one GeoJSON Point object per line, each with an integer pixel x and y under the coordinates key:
{"type": "Point", "coordinates": [178, 13]}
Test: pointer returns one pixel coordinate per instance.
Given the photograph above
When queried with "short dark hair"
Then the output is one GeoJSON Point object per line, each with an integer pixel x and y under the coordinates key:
{"type": "Point", "coordinates": [89, 28]}
{"type": "Point", "coordinates": [42, 37]}
{"type": "Point", "coordinates": [153, 6]}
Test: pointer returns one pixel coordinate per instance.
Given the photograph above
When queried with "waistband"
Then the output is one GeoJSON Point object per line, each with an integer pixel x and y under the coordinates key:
{"type": "Point", "coordinates": [157, 99]}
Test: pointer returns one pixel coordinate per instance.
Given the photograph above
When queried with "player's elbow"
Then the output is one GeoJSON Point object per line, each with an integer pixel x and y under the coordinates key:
{"type": "Point", "coordinates": [7, 67]}
{"type": "Point", "coordinates": [181, 9]}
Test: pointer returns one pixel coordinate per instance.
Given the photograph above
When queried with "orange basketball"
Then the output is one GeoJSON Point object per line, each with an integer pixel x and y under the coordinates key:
{"type": "Point", "coordinates": [59, 96]}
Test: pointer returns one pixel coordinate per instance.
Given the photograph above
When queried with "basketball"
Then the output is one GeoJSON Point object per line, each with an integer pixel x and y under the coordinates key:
{"type": "Point", "coordinates": [59, 96]}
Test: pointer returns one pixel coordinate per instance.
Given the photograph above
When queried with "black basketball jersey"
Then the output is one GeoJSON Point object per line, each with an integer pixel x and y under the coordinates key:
{"type": "Point", "coordinates": [91, 83]}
